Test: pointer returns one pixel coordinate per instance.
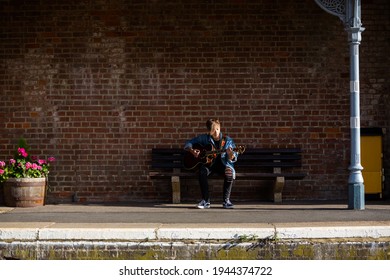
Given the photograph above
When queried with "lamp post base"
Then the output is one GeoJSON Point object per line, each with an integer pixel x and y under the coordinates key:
{"type": "Point", "coordinates": [356, 196]}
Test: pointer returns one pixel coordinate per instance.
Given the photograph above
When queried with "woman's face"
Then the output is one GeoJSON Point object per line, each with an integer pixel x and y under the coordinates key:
{"type": "Point", "coordinates": [215, 131]}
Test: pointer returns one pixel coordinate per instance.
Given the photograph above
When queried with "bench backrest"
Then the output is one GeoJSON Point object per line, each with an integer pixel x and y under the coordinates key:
{"type": "Point", "coordinates": [169, 158]}
{"type": "Point", "coordinates": [263, 157]}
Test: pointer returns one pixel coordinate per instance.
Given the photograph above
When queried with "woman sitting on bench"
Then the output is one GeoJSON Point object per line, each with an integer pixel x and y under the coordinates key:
{"type": "Point", "coordinates": [215, 153]}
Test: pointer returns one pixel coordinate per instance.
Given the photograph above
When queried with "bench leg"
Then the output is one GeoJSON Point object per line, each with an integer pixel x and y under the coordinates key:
{"type": "Point", "coordinates": [175, 189]}
{"type": "Point", "coordinates": [278, 188]}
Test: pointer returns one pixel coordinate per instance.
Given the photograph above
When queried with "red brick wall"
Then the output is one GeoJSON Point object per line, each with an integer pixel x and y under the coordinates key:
{"type": "Point", "coordinates": [97, 84]}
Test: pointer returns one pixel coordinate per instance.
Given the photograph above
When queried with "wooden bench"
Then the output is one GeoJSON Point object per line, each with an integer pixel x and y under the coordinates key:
{"type": "Point", "coordinates": [279, 165]}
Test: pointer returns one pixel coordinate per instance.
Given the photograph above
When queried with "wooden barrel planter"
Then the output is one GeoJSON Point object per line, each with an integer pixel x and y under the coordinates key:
{"type": "Point", "coordinates": [24, 192]}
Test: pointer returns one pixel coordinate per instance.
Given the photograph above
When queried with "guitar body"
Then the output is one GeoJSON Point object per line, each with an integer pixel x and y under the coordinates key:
{"type": "Point", "coordinates": [205, 157]}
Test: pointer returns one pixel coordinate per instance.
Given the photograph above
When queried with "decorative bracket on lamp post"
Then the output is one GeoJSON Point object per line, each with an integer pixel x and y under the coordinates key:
{"type": "Point", "coordinates": [349, 11]}
{"type": "Point", "coordinates": [334, 7]}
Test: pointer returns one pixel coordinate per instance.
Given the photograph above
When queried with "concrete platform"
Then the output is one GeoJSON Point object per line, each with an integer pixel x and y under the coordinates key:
{"type": "Point", "coordinates": [146, 221]}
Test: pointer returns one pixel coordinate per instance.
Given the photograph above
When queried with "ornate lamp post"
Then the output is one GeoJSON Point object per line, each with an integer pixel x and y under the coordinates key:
{"type": "Point", "coordinates": [349, 11]}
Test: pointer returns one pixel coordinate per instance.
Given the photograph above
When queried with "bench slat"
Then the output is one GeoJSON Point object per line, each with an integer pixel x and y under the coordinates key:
{"type": "Point", "coordinates": [238, 166]}
{"type": "Point", "coordinates": [273, 150]}
{"type": "Point", "coordinates": [169, 165]}
{"type": "Point", "coordinates": [271, 157]}
{"type": "Point", "coordinates": [290, 176]}
{"type": "Point", "coordinates": [240, 175]}
{"type": "Point", "coordinates": [269, 164]}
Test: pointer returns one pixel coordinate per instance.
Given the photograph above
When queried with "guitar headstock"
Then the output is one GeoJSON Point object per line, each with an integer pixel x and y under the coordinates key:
{"type": "Point", "coordinates": [240, 149]}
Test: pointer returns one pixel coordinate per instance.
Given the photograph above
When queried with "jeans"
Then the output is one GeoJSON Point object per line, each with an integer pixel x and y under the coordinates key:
{"type": "Point", "coordinates": [219, 168]}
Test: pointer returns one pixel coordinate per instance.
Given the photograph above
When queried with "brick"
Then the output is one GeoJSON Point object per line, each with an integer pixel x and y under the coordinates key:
{"type": "Point", "coordinates": [99, 85]}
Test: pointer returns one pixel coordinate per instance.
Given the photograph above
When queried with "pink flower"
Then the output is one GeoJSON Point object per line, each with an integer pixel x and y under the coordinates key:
{"type": "Point", "coordinates": [2, 163]}
{"type": "Point", "coordinates": [28, 165]}
{"type": "Point", "coordinates": [42, 161]}
{"type": "Point", "coordinates": [51, 159]}
{"type": "Point", "coordinates": [22, 152]}
{"type": "Point", "coordinates": [1, 171]}
{"type": "Point", "coordinates": [12, 161]}
{"type": "Point", "coordinates": [34, 166]}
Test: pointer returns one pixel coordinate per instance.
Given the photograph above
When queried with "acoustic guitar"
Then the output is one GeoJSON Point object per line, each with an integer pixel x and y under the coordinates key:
{"type": "Point", "coordinates": [206, 156]}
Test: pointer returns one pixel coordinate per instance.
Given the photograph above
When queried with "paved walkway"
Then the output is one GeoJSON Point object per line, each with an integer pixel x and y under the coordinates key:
{"type": "Point", "coordinates": [146, 221]}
